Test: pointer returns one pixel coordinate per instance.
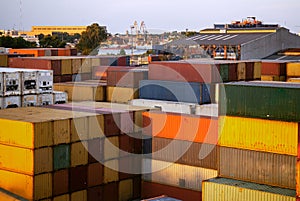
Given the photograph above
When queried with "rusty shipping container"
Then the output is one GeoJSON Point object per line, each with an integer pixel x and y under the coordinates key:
{"type": "Point", "coordinates": [222, 189]}
{"type": "Point", "coordinates": [259, 167]}
{"type": "Point", "coordinates": [273, 68]}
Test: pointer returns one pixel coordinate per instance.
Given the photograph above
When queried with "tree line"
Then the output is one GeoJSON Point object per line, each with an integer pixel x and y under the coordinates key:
{"type": "Point", "coordinates": [85, 42]}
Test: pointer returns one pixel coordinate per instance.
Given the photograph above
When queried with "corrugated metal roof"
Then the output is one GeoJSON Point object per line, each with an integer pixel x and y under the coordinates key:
{"type": "Point", "coordinates": [225, 38]}
{"type": "Point", "coordinates": [283, 57]}
{"type": "Point", "coordinates": [254, 186]}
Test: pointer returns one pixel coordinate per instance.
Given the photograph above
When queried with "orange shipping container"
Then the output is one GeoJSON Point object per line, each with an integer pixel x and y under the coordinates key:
{"type": "Point", "coordinates": [182, 127]}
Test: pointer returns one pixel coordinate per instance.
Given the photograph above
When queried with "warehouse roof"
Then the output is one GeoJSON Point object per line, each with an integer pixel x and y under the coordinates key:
{"type": "Point", "coordinates": [225, 38]}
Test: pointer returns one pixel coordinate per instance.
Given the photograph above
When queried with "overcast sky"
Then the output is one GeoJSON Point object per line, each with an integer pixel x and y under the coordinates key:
{"type": "Point", "coordinates": [164, 15]}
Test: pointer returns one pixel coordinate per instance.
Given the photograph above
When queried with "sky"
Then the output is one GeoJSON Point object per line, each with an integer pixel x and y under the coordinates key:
{"type": "Point", "coordinates": [158, 15]}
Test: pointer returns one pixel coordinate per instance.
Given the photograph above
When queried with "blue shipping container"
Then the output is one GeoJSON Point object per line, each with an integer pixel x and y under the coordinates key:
{"type": "Point", "coordinates": [190, 92]}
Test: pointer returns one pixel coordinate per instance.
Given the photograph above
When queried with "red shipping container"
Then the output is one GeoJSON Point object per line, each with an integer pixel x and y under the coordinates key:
{"type": "Point", "coordinates": [111, 191]}
{"type": "Point", "coordinates": [95, 193]}
{"type": "Point", "coordinates": [60, 182]}
{"type": "Point", "coordinates": [273, 68]}
{"type": "Point", "coordinates": [78, 178]}
{"type": "Point", "coordinates": [95, 147]}
{"type": "Point", "coordinates": [95, 174]}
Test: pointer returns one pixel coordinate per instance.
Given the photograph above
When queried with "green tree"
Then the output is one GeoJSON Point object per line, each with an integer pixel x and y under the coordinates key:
{"type": "Point", "coordinates": [91, 38]}
{"type": "Point", "coordinates": [9, 42]}
{"type": "Point", "coordinates": [122, 52]}
{"type": "Point", "coordinates": [51, 41]}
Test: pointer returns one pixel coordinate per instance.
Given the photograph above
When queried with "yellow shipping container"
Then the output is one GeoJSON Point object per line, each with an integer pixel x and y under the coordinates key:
{"type": "Point", "coordinates": [221, 189]}
{"type": "Point", "coordinates": [272, 78]}
{"type": "Point", "coordinates": [96, 126]}
{"type": "Point", "coordinates": [79, 154]}
{"type": "Point", "coordinates": [29, 187]}
{"type": "Point", "coordinates": [32, 127]}
{"type": "Point", "coordinates": [65, 197]}
{"type": "Point", "coordinates": [125, 190]}
{"type": "Point", "coordinates": [3, 60]}
{"type": "Point", "coordinates": [241, 71]}
{"type": "Point", "coordinates": [66, 66]}
{"type": "Point", "coordinates": [111, 175]}
{"type": "Point", "coordinates": [259, 135]}
{"type": "Point", "coordinates": [79, 129]}
{"type": "Point", "coordinates": [26, 161]}
{"type": "Point", "coordinates": [8, 196]}
{"type": "Point", "coordinates": [296, 80]}
{"type": "Point", "coordinates": [95, 61]}
{"type": "Point", "coordinates": [86, 66]}
{"type": "Point", "coordinates": [79, 196]}
{"type": "Point", "coordinates": [121, 94]}
{"type": "Point", "coordinates": [111, 148]}
{"type": "Point", "coordinates": [293, 69]}
{"type": "Point", "coordinates": [62, 133]}
{"type": "Point", "coordinates": [257, 70]}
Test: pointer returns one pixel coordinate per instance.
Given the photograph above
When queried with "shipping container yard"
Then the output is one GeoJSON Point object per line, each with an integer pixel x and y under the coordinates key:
{"type": "Point", "coordinates": [105, 128]}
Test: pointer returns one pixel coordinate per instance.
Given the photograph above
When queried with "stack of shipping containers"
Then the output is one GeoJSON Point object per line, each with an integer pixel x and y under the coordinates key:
{"type": "Point", "coordinates": [258, 143]}
{"type": "Point", "coordinates": [63, 152]}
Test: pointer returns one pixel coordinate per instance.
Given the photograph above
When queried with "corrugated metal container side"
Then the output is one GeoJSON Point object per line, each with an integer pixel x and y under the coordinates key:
{"type": "Point", "coordinates": [66, 66]}
{"type": "Point", "coordinates": [61, 156]}
{"type": "Point", "coordinates": [241, 71]}
{"type": "Point", "coordinates": [121, 94]}
{"type": "Point", "coordinates": [29, 100]}
{"type": "Point", "coordinates": [259, 167]}
{"type": "Point", "coordinates": [181, 127]}
{"type": "Point", "coordinates": [29, 187]}
{"type": "Point", "coordinates": [257, 70]}
{"type": "Point", "coordinates": [111, 192]}
{"type": "Point", "coordinates": [298, 178]}
{"type": "Point", "coordinates": [233, 190]}
{"type": "Point", "coordinates": [79, 153]}
{"type": "Point", "coordinates": [241, 100]}
{"type": "Point", "coordinates": [111, 148]}
{"type": "Point", "coordinates": [61, 131]}
{"type": "Point", "coordinates": [95, 174]}
{"type": "Point", "coordinates": [273, 68]}
{"type": "Point", "coordinates": [125, 190]}
{"type": "Point", "coordinates": [232, 74]}
{"type": "Point", "coordinates": [1, 102]}
{"type": "Point", "coordinates": [79, 196]}
{"type": "Point", "coordinates": [127, 77]}
{"type": "Point", "coordinates": [76, 64]}
{"type": "Point", "coordinates": [26, 161]}
{"type": "Point", "coordinates": [3, 60]}
{"type": "Point", "coordinates": [173, 174]}
{"type": "Point", "coordinates": [86, 66]}
{"type": "Point", "coordinates": [150, 189]}
{"type": "Point", "coordinates": [95, 193]}
{"type": "Point", "coordinates": [294, 79]}
{"type": "Point", "coordinates": [259, 135]}
{"type": "Point", "coordinates": [176, 91]}
{"type": "Point", "coordinates": [184, 72]}
{"type": "Point", "coordinates": [44, 99]}
{"type": "Point", "coordinates": [187, 153]}
{"type": "Point", "coordinates": [111, 175]}
{"type": "Point", "coordinates": [60, 182]}
{"type": "Point", "coordinates": [293, 69]}
{"type": "Point", "coordinates": [249, 70]}
{"type": "Point", "coordinates": [78, 178]}
{"type": "Point", "coordinates": [99, 72]}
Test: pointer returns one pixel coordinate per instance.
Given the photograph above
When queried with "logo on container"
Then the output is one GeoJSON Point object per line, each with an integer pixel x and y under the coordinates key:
{"type": "Point", "coordinates": [183, 91]}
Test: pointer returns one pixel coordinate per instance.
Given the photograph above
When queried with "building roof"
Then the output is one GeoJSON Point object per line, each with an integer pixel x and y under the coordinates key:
{"type": "Point", "coordinates": [225, 38]}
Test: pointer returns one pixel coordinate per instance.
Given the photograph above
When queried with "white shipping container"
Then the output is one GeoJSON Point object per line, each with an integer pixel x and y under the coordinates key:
{"type": "Point", "coordinates": [45, 81]}
{"type": "Point", "coordinates": [44, 99]}
{"type": "Point", "coordinates": [60, 97]}
{"type": "Point", "coordinates": [1, 84]}
{"type": "Point", "coordinates": [11, 102]}
{"type": "Point", "coordinates": [210, 110]}
{"type": "Point", "coordinates": [29, 100]}
{"type": "Point", "coordinates": [182, 176]}
{"type": "Point", "coordinates": [222, 189]}
{"type": "Point", "coordinates": [11, 82]}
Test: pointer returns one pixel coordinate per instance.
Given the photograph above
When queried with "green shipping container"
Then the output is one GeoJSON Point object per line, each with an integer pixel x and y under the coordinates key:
{"type": "Point", "coordinates": [224, 72]}
{"type": "Point", "coordinates": [266, 100]}
{"type": "Point", "coordinates": [61, 156]}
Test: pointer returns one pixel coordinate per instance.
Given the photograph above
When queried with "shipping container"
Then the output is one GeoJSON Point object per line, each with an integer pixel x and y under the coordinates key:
{"type": "Point", "coordinates": [61, 156]}
{"type": "Point", "coordinates": [60, 97]}
{"type": "Point", "coordinates": [241, 71]}
{"type": "Point", "coordinates": [65, 197]}
{"type": "Point", "coordinates": [278, 101]}
{"type": "Point", "coordinates": [44, 99]}
{"type": "Point", "coordinates": [76, 65]}
{"type": "Point", "coordinates": [110, 192]}
{"type": "Point", "coordinates": [184, 152]}
{"type": "Point", "coordinates": [4, 60]}
{"type": "Point", "coordinates": [121, 94]}
{"type": "Point", "coordinates": [95, 193]}
{"type": "Point", "coordinates": [249, 70]}
{"type": "Point", "coordinates": [298, 178]}
{"type": "Point", "coordinates": [11, 81]}
{"type": "Point", "coordinates": [176, 91]}
{"type": "Point", "coordinates": [161, 198]}
{"type": "Point", "coordinates": [259, 167]}
{"type": "Point", "coordinates": [66, 66]}
{"type": "Point", "coordinates": [259, 135]}
{"type": "Point", "coordinates": [12, 102]}
{"type": "Point", "coordinates": [79, 196]}
{"type": "Point", "coordinates": [79, 129]}
{"type": "Point", "coordinates": [125, 190]}
{"type": "Point", "coordinates": [45, 81]}
{"type": "Point", "coordinates": [297, 80]}
{"type": "Point", "coordinates": [126, 77]}
{"type": "Point", "coordinates": [79, 154]}
{"type": "Point", "coordinates": [81, 77]}
{"type": "Point", "coordinates": [111, 175]}
{"type": "Point", "coordinates": [99, 72]}
{"type": "Point", "coordinates": [222, 189]}
{"type": "Point", "coordinates": [182, 127]}
{"type": "Point", "coordinates": [30, 187]}
{"type": "Point", "coordinates": [29, 100]}
{"type": "Point", "coordinates": [273, 68]}
{"type": "Point", "coordinates": [150, 189]}
{"type": "Point", "coordinates": [8, 196]}
{"type": "Point", "coordinates": [78, 178]}
{"type": "Point", "coordinates": [1, 103]}
{"type": "Point", "coordinates": [273, 78]}
{"type": "Point", "coordinates": [95, 174]}
{"type": "Point", "coordinates": [26, 161]}
{"type": "Point", "coordinates": [293, 69]}
{"type": "Point", "coordinates": [60, 182]}
{"type": "Point", "coordinates": [257, 70]}
{"type": "Point", "coordinates": [178, 175]}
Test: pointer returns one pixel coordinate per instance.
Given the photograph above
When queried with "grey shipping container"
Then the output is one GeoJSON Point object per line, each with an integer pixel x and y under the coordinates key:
{"type": "Point", "coordinates": [11, 81]}
{"type": "Point", "coordinates": [44, 99]}
{"type": "Point", "coordinates": [60, 97]}
{"type": "Point", "coordinates": [29, 100]}
{"type": "Point", "coordinates": [259, 167]}
{"type": "Point", "coordinates": [45, 81]}
{"type": "Point", "coordinates": [190, 92]}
